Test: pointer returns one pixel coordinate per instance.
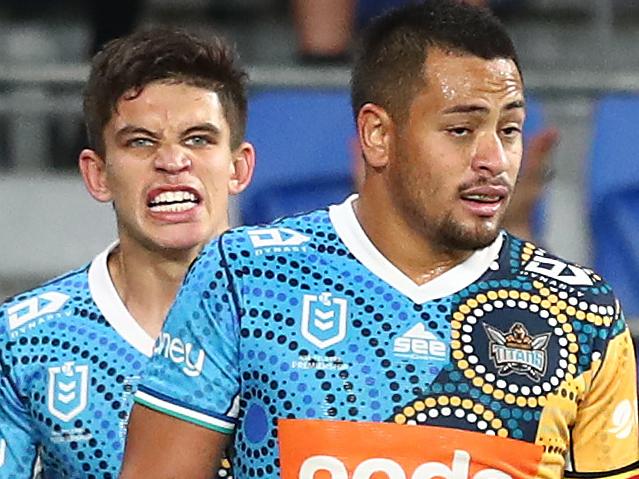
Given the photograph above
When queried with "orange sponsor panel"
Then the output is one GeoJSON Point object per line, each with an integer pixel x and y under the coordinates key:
{"type": "Point", "coordinates": [317, 449]}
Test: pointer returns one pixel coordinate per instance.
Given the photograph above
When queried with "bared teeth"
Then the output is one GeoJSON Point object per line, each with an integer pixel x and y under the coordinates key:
{"type": "Point", "coordinates": [173, 207]}
{"type": "Point", "coordinates": [173, 197]}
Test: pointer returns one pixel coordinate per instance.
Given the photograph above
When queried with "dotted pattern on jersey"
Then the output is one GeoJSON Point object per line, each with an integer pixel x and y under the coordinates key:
{"type": "Point", "coordinates": [387, 365]}
{"type": "Point", "coordinates": [472, 393]}
{"type": "Point", "coordinates": [90, 443]}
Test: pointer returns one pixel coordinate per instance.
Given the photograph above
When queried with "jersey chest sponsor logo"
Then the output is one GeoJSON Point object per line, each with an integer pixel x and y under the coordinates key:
{"type": "Point", "coordinates": [33, 308]}
{"type": "Point", "coordinates": [277, 240]}
{"type": "Point", "coordinates": [348, 450]}
{"type": "Point", "coordinates": [67, 392]}
{"type": "Point", "coordinates": [181, 353]}
{"type": "Point", "coordinates": [516, 351]}
{"type": "Point", "coordinates": [418, 343]}
{"type": "Point", "coordinates": [324, 319]}
{"type": "Point", "coordinates": [558, 270]}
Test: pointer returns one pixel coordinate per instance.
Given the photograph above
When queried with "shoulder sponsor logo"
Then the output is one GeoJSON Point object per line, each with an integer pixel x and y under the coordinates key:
{"type": "Point", "coordinates": [277, 240]}
{"type": "Point", "coordinates": [68, 390]}
{"type": "Point", "coordinates": [310, 449]}
{"type": "Point", "coordinates": [624, 419]}
{"type": "Point", "coordinates": [45, 303]}
{"type": "Point", "coordinates": [518, 352]}
{"type": "Point", "coordinates": [181, 353]}
{"type": "Point", "coordinates": [556, 269]}
{"type": "Point", "coordinates": [324, 319]}
{"type": "Point", "coordinates": [418, 343]}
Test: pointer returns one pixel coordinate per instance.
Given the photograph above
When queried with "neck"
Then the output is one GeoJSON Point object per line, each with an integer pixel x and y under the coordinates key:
{"type": "Point", "coordinates": [408, 248]}
{"type": "Point", "coordinates": [147, 281]}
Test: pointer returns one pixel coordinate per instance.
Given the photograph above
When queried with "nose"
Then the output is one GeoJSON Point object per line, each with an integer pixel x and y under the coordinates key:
{"type": "Point", "coordinates": [172, 159]}
{"type": "Point", "coordinates": [489, 155]}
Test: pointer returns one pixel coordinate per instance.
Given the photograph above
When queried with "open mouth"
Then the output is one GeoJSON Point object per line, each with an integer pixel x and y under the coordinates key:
{"type": "Point", "coordinates": [482, 198]}
{"type": "Point", "coordinates": [485, 201]}
{"type": "Point", "coordinates": [173, 201]}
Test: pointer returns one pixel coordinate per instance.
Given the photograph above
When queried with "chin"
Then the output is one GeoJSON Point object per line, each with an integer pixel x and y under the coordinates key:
{"type": "Point", "coordinates": [183, 237]}
{"type": "Point", "coordinates": [460, 236]}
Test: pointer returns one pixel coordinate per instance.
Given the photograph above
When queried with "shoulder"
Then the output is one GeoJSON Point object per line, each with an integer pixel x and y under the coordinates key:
{"type": "Point", "coordinates": [566, 290]}
{"type": "Point", "coordinates": [549, 271]}
{"type": "Point", "coordinates": [294, 234]}
{"type": "Point", "coordinates": [58, 297]}
{"type": "Point", "coordinates": [255, 251]}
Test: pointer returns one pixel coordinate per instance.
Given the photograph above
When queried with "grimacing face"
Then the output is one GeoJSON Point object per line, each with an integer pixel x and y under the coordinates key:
{"type": "Point", "coordinates": [457, 154]}
{"type": "Point", "coordinates": [168, 167]}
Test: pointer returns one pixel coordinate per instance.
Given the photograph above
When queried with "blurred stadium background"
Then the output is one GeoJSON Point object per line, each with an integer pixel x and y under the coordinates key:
{"type": "Point", "coordinates": [581, 67]}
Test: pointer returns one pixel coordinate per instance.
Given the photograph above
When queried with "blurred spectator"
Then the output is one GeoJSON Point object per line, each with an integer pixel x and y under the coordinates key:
{"type": "Point", "coordinates": [325, 28]}
{"type": "Point", "coordinates": [534, 175]}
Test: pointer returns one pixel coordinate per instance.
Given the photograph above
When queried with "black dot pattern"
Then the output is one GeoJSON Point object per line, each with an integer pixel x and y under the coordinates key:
{"type": "Point", "coordinates": [68, 383]}
{"type": "Point", "coordinates": [293, 325]}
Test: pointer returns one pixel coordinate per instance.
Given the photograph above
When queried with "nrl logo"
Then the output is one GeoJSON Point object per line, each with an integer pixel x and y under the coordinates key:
{"type": "Point", "coordinates": [518, 352]}
{"type": "Point", "coordinates": [324, 319]}
{"type": "Point", "coordinates": [68, 390]}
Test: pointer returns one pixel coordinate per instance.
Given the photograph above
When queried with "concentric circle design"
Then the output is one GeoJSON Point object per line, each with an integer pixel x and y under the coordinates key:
{"type": "Point", "coordinates": [472, 313]}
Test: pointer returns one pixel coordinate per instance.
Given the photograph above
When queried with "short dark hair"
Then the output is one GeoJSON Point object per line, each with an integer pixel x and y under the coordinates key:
{"type": "Point", "coordinates": [390, 57]}
{"type": "Point", "coordinates": [163, 54]}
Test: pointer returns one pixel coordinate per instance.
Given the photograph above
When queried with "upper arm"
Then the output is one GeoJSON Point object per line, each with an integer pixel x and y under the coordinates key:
{"type": "Point", "coordinates": [18, 453]}
{"type": "Point", "coordinates": [18, 450]}
{"type": "Point", "coordinates": [605, 438]}
{"type": "Point", "coordinates": [187, 398]}
{"type": "Point", "coordinates": [164, 447]}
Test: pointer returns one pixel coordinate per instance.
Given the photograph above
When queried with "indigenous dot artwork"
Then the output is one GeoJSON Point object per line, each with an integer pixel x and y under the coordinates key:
{"type": "Point", "coordinates": [297, 322]}
{"type": "Point", "coordinates": [68, 383]}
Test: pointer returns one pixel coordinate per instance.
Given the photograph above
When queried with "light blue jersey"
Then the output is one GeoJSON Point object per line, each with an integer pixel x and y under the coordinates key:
{"type": "Point", "coordinates": [71, 356]}
{"type": "Point", "coordinates": [320, 355]}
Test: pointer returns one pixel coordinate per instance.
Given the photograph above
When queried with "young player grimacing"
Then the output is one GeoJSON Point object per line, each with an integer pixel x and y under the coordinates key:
{"type": "Point", "coordinates": [166, 115]}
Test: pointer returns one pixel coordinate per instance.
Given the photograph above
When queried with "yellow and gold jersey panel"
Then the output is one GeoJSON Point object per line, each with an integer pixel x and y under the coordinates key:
{"type": "Point", "coordinates": [604, 437]}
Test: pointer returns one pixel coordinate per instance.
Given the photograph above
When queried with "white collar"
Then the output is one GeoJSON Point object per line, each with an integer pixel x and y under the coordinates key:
{"type": "Point", "coordinates": [457, 278]}
{"type": "Point", "coordinates": [110, 304]}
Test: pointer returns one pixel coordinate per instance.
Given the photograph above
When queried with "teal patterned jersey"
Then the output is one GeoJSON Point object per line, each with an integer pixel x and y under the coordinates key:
{"type": "Point", "coordinates": [325, 360]}
{"type": "Point", "coordinates": [71, 357]}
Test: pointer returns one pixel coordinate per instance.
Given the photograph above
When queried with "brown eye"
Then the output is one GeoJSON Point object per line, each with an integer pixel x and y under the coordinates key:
{"type": "Point", "coordinates": [459, 131]}
{"type": "Point", "coordinates": [511, 131]}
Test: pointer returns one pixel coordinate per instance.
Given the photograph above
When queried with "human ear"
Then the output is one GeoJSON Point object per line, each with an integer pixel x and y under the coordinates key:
{"type": "Point", "coordinates": [242, 168]}
{"type": "Point", "coordinates": [93, 170]}
{"type": "Point", "coordinates": [375, 130]}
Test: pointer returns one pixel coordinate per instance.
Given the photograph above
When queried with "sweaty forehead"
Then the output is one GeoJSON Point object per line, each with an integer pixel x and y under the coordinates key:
{"type": "Point", "coordinates": [455, 77]}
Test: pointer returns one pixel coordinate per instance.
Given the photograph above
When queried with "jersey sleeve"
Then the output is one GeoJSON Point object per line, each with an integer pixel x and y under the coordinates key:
{"type": "Point", "coordinates": [18, 451]}
{"type": "Point", "coordinates": [605, 438]}
{"type": "Point", "coordinates": [193, 374]}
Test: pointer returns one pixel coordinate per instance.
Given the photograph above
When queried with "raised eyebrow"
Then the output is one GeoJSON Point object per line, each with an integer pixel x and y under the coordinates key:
{"type": "Point", "coordinates": [135, 130]}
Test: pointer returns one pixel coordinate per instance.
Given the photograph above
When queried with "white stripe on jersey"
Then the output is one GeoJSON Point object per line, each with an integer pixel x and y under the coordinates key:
{"type": "Point", "coordinates": [186, 414]}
